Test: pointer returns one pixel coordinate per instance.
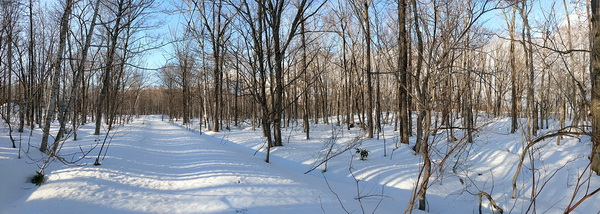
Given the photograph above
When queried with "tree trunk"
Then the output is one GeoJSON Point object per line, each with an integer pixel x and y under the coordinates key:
{"type": "Point", "coordinates": [513, 73]}
{"type": "Point", "coordinates": [532, 119]}
{"type": "Point", "coordinates": [64, 111]}
{"type": "Point", "coordinates": [403, 71]}
{"type": "Point", "coordinates": [278, 96]}
{"type": "Point", "coordinates": [595, 78]}
{"type": "Point", "coordinates": [421, 194]}
{"type": "Point", "coordinates": [109, 66]}
{"type": "Point", "coordinates": [367, 35]}
{"type": "Point", "coordinates": [421, 93]}
{"type": "Point", "coordinates": [9, 59]}
{"type": "Point", "coordinates": [30, 94]}
{"type": "Point", "coordinates": [305, 121]}
{"type": "Point", "coordinates": [56, 65]}
{"type": "Point", "coordinates": [217, 89]}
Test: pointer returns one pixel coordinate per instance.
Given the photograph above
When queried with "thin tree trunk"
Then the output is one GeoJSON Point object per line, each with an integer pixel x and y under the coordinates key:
{"type": "Point", "coordinates": [423, 148]}
{"type": "Point", "coordinates": [367, 35]}
{"type": "Point", "coordinates": [30, 94]}
{"type": "Point", "coordinates": [595, 78]}
{"type": "Point", "coordinates": [56, 65]}
{"type": "Point", "coordinates": [109, 66]}
{"type": "Point", "coordinates": [305, 122]}
{"type": "Point", "coordinates": [531, 109]}
{"type": "Point", "coordinates": [77, 79]}
{"type": "Point", "coordinates": [513, 73]}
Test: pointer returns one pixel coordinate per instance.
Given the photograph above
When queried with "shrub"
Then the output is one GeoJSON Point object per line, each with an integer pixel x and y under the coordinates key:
{"type": "Point", "coordinates": [38, 179]}
{"type": "Point", "coordinates": [363, 153]}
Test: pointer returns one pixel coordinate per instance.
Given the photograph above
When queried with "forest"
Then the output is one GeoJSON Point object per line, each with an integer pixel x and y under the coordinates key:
{"type": "Point", "coordinates": [429, 79]}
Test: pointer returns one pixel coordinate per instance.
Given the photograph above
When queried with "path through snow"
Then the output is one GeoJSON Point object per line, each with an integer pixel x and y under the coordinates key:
{"type": "Point", "coordinates": [159, 167]}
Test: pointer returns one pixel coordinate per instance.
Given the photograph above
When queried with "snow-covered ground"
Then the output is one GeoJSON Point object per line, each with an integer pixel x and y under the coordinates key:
{"type": "Point", "coordinates": [154, 166]}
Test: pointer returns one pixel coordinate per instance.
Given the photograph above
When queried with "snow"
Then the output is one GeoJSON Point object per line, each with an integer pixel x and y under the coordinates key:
{"type": "Point", "coordinates": [155, 166]}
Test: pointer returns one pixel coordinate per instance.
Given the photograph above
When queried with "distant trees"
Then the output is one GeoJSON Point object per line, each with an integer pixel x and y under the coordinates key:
{"type": "Point", "coordinates": [8, 43]}
{"type": "Point", "coordinates": [215, 18]}
{"type": "Point", "coordinates": [50, 65]}
{"type": "Point", "coordinates": [177, 79]}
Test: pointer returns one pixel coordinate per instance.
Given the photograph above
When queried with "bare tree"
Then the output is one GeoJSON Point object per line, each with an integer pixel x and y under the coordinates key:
{"type": "Point", "coordinates": [66, 109]}
{"type": "Point", "coordinates": [56, 66]}
{"type": "Point", "coordinates": [215, 17]}
{"type": "Point", "coordinates": [114, 32]}
{"type": "Point", "coordinates": [119, 26]}
{"type": "Point", "coordinates": [274, 11]}
{"type": "Point", "coordinates": [253, 17]}
{"type": "Point", "coordinates": [361, 9]}
{"type": "Point", "coordinates": [528, 48]}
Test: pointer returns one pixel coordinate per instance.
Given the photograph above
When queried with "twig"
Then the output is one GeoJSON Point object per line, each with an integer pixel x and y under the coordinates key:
{"type": "Point", "coordinates": [263, 145]}
{"type": "Point", "coordinates": [579, 184]}
{"type": "Point", "coordinates": [358, 198]}
{"type": "Point", "coordinates": [570, 209]}
{"type": "Point", "coordinates": [334, 193]}
{"type": "Point", "coordinates": [357, 141]}
{"type": "Point", "coordinates": [10, 130]}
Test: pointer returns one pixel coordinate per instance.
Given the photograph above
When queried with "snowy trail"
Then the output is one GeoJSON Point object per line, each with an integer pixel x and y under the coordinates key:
{"type": "Point", "coordinates": [160, 167]}
{"type": "Point", "coordinates": [154, 166]}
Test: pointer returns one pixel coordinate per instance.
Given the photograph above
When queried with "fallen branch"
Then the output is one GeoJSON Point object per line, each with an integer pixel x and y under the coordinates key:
{"type": "Point", "coordinates": [561, 132]}
{"type": "Point", "coordinates": [356, 141]}
{"type": "Point", "coordinates": [490, 199]}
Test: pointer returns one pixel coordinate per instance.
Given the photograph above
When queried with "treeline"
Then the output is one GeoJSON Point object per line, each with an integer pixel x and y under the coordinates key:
{"type": "Point", "coordinates": [370, 63]}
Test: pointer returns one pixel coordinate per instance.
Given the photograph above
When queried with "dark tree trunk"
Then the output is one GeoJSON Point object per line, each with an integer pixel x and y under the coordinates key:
{"type": "Point", "coordinates": [403, 71]}
{"type": "Point", "coordinates": [106, 77]}
{"type": "Point", "coordinates": [368, 70]}
{"type": "Point", "coordinates": [305, 121]}
{"type": "Point", "coordinates": [595, 78]}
